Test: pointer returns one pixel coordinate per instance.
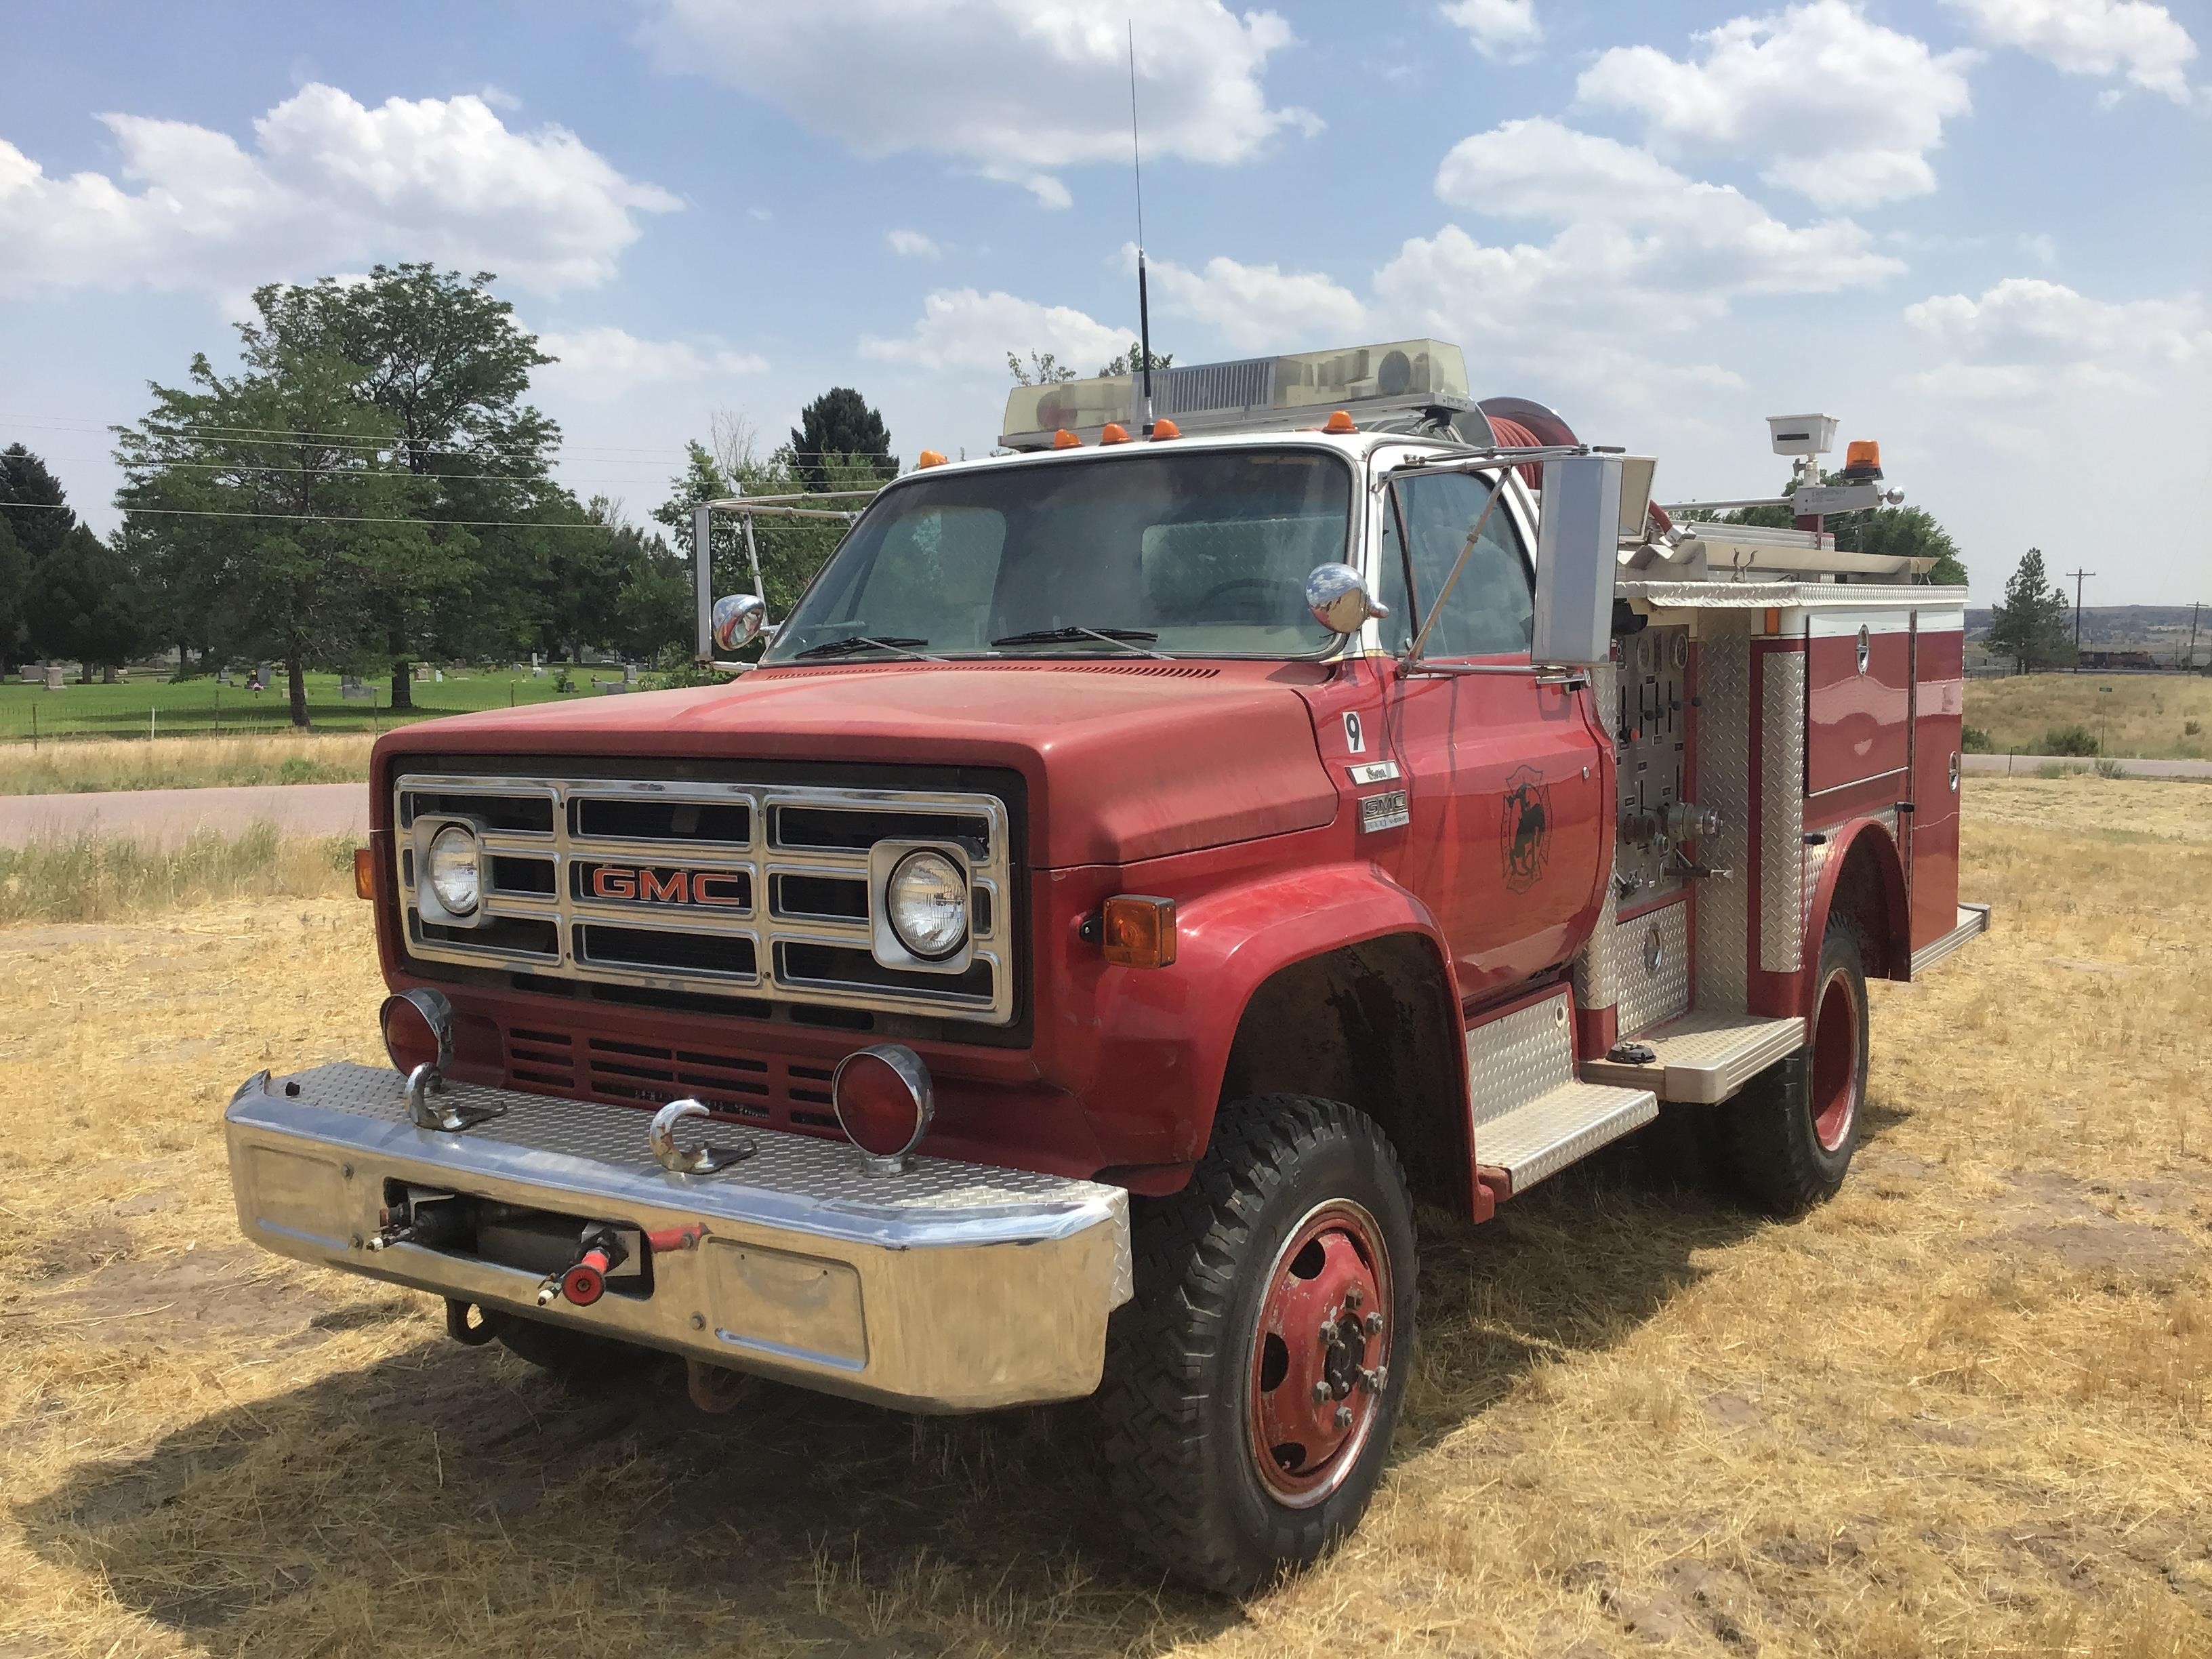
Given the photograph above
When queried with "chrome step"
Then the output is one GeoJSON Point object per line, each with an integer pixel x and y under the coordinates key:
{"type": "Point", "coordinates": [1973, 922]}
{"type": "Point", "coordinates": [1704, 1058]}
{"type": "Point", "coordinates": [1543, 1136]}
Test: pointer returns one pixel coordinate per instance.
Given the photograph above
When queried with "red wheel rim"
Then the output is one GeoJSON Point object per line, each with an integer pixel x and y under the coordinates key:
{"type": "Point", "coordinates": [1835, 1080]}
{"type": "Point", "coordinates": [1321, 1354]}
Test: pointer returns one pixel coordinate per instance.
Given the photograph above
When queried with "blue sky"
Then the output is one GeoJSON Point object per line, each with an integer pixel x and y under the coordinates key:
{"type": "Point", "coordinates": [1978, 230]}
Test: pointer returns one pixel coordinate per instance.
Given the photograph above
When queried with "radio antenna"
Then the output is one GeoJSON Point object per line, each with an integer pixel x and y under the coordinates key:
{"type": "Point", "coordinates": [1143, 306]}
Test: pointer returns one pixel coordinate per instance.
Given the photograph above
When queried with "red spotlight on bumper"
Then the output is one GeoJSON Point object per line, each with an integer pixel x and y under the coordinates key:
{"type": "Point", "coordinates": [883, 1100]}
{"type": "Point", "coordinates": [418, 1029]}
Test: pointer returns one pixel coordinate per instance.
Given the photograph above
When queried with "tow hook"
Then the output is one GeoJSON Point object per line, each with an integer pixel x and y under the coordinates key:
{"type": "Point", "coordinates": [584, 1280]}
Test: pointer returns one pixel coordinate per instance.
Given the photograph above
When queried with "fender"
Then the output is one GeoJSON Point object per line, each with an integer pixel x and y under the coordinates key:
{"type": "Point", "coordinates": [1165, 1033]}
{"type": "Point", "coordinates": [1843, 841]}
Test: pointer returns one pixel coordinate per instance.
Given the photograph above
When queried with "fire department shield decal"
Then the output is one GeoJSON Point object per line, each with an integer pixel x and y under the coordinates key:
{"type": "Point", "coordinates": [1526, 835]}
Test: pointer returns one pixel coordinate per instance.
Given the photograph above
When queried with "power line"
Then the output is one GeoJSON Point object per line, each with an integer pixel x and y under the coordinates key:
{"type": "Point", "coordinates": [320, 517]}
{"type": "Point", "coordinates": [2077, 575]}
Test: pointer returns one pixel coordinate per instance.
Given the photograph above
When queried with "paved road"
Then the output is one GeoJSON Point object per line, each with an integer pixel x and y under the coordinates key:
{"type": "Point", "coordinates": [2027, 766]}
{"type": "Point", "coordinates": [165, 816]}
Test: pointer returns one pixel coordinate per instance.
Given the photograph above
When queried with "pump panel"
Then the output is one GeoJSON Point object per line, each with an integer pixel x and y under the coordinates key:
{"type": "Point", "coordinates": [1650, 733]}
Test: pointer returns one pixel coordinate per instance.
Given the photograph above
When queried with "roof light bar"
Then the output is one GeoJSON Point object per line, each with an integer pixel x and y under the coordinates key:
{"type": "Point", "coordinates": [1369, 383]}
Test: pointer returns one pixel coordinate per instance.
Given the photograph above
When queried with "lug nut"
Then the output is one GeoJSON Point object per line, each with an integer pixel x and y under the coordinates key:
{"type": "Point", "coordinates": [1344, 1417]}
{"type": "Point", "coordinates": [1372, 1324]}
{"type": "Point", "coordinates": [1329, 1334]}
{"type": "Point", "coordinates": [1376, 1380]}
{"type": "Point", "coordinates": [1354, 1296]}
{"type": "Point", "coordinates": [1321, 1394]}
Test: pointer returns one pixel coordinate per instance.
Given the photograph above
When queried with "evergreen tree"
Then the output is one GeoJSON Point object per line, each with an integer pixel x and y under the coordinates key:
{"type": "Point", "coordinates": [836, 431]}
{"type": "Point", "coordinates": [2029, 624]}
{"type": "Point", "coordinates": [83, 603]}
{"type": "Point", "coordinates": [32, 502]}
{"type": "Point", "coordinates": [15, 585]}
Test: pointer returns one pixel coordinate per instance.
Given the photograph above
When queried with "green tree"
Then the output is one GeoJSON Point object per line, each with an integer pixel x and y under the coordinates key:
{"type": "Point", "coordinates": [2029, 624]}
{"type": "Point", "coordinates": [83, 603]}
{"type": "Point", "coordinates": [447, 362]}
{"type": "Point", "coordinates": [1131, 362]}
{"type": "Point", "coordinates": [1895, 531]}
{"type": "Point", "coordinates": [296, 522]}
{"type": "Point", "coordinates": [1044, 368]}
{"type": "Point", "coordinates": [836, 430]}
{"type": "Point", "coordinates": [32, 501]}
{"type": "Point", "coordinates": [15, 585]}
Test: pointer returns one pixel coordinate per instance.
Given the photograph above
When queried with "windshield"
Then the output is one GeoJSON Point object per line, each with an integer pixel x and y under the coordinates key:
{"type": "Point", "coordinates": [1200, 552]}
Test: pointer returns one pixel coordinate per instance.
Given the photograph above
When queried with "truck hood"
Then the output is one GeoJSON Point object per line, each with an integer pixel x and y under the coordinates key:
{"type": "Point", "coordinates": [1124, 760]}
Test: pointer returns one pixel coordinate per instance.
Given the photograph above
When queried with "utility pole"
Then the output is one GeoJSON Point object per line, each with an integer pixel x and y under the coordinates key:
{"type": "Point", "coordinates": [2189, 661]}
{"type": "Point", "coordinates": [2077, 575]}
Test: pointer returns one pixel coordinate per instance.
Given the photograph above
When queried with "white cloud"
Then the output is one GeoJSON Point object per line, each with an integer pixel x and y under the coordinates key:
{"type": "Point", "coordinates": [604, 364]}
{"type": "Point", "coordinates": [1839, 109]}
{"type": "Point", "coordinates": [2026, 336]}
{"type": "Point", "coordinates": [1258, 307]}
{"type": "Point", "coordinates": [1503, 29]}
{"type": "Point", "coordinates": [2103, 38]}
{"type": "Point", "coordinates": [2041, 246]}
{"type": "Point", "coordinates": [912, 244]}
{"type": "Point", "coordinates": [330, 183]}
{"type": "Point", "coordinates": [1018, 89]}
{"type": "Point", "coordinates": [965, 332]}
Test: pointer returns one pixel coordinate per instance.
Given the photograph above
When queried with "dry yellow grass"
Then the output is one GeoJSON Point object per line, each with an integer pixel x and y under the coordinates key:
{"type": "Point", "coordinates": [54, 769]}
{"type": "Point", "coordinates": [94, 877]}
{"type": "Point", "coordinates": [2141, 715]}
{"type": "Point", "coordinates": [1965, 1410]}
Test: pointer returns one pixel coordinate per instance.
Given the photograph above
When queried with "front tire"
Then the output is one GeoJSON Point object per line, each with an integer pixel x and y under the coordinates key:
{"type": "Point", "coordinates": [1254, 1383]}
{"type": "Point", "coordinates": [1787, 1139]}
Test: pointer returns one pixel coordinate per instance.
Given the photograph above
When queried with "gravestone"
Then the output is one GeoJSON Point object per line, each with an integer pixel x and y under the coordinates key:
{"type": "Point", "coordinates": [56, 677]}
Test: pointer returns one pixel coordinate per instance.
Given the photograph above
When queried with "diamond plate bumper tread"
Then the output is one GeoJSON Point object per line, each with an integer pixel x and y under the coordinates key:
{"type": "Point", "coordinates": [948, 1287]}
{"type": "Point", "coordinates": [1512, 1060]}
{"type": "Point", "coordinates": [1973, 922]}
{"type": "Point", "coordinates": [1704, 1058]}
{"type": "Point", "coordinates": [1554, 1130]}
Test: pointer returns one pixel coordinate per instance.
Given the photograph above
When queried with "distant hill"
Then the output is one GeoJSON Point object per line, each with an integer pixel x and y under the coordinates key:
{"type": "Point", "coordinates": [2161, 627]}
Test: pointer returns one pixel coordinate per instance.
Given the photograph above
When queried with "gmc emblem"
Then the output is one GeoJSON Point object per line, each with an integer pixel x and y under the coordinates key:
{"type": "Point", "coordinates": [623, 883]}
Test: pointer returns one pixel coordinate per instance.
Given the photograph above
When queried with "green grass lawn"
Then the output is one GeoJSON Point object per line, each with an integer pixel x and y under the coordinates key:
{"type": "Point", "coordinates": [201, 708]}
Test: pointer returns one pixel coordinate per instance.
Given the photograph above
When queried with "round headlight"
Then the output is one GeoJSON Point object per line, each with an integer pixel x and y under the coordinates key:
{"type": "Point", "coordinates": [926, 900]}
{"type": "Point", "coordinates": [451, 867]}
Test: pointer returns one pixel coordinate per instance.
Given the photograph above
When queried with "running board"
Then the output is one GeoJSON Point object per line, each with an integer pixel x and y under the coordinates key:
{"type": "Point", "coordinates": [1703, 1058]}
{"type": "Point", "coordinates": [1554, 1130]}
{"type": "Point", "coordinates": [1533, 1116]}
{"type": "Point", "coordinates": [1973, 922]}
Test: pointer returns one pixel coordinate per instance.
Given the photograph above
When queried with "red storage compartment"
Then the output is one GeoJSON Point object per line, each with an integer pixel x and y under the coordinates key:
{"type": "Point", "coordinates": [1858, 693]}
{"type": "Point", "coordinates": [1939, 641]}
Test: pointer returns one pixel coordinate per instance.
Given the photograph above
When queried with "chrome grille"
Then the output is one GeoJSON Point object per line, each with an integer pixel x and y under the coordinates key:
{"type": "Point", "coordinates": [759, 891]}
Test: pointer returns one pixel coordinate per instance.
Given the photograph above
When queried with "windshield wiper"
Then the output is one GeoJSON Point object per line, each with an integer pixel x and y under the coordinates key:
{"type": "Point", "coordinates": [851, 642]}
{"type": "Point", "coordinates": [1129, 639]}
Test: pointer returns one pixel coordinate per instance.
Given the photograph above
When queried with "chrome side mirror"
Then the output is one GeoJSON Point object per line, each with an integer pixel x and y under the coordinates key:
{"type": "Point", "coordinates": [738, 620]}
{"type": "Point", "coordinates": [1338, 597]}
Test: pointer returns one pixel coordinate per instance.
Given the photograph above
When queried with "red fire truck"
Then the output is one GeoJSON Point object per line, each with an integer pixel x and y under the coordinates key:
{"type": "Point", "coordinates": [1143, 864]}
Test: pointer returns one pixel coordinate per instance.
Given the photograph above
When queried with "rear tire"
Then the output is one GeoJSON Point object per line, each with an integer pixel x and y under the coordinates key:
{"type": "Point", "coordinates": [576, 1357]}
{"type": "Point", "coordinates": [1787, 1139]}
{"type": "Point", "coordinates": [1296, 1228]}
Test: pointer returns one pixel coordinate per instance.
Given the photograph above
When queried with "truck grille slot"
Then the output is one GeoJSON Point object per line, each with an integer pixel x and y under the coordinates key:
{"type": "Point", "coordinates": [654, 947]}
{"type": "Point", "coordinates": [691, 822]}
{"type": "Point", "coordinates": [669, 892]}
{"type": "Point", "coordinates": [755, 1089]}
{"type": "Point", "coordinates": [855, 832]}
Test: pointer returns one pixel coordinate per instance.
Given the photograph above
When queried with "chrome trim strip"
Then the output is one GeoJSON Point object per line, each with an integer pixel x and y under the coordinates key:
{"type": "Point", "coordinates": [761, 855]}
{"type": "Point", "coordinates": [1973, 922]}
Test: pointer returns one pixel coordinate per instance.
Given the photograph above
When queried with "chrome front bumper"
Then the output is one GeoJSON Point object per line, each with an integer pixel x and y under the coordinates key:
{"type": "Point", "coordinates": [945, 1287]}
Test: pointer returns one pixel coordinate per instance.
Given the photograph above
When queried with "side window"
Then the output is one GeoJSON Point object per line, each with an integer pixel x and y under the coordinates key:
{"type": "Point", "coordinates": [1491, 608]}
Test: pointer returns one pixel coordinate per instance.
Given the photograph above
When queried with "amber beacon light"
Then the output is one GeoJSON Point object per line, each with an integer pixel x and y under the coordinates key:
{"type": "Point", "coordinates": [1138, 932]}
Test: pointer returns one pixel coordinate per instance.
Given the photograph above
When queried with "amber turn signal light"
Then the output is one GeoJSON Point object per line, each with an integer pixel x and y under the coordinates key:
{"type": "Point", "coordinates": [930, 458]}
{"type": "Point", "coordinates": [1162, 429]}
{"type": "Point", "coordinates": [1063, 439]}
{"type": "Point", "coordinates": [364, 873]}
{"type": "Point", "coordinates": [1339, 421]}
{"type": "Point", "coordinates": [1140, 932]}
{"type": "Point", "coordinates": [1115, 433]}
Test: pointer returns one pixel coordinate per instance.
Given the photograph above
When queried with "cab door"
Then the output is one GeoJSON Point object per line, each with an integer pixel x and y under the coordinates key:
{"type": "Point", "coordinates": [1503, 774]}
